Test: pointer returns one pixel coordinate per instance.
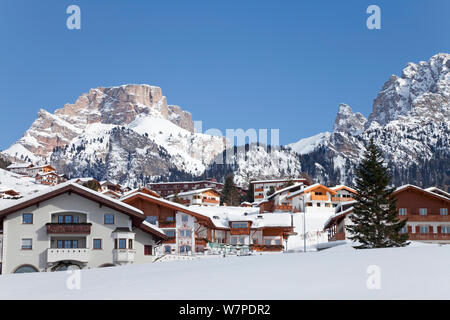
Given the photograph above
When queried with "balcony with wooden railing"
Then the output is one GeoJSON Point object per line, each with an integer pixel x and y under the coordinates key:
{"type": "Point", "coordinates": [166, 224]}
{"type": "Point", "coordinates": [266, 247]}
{"type": "Point", "coordinates": [69, 228]}
{"type": "Point", "coordinates": [239, 231]}
{"type": "Point", "coordinates": [259, 189]}
{"type": "Point", "coordinates": [319, 197]}
{"type": "Point", "coordinates": [336, 236]}
{"type": "Point", "coordinates": [259, 197]}
{"type": "Point", "coordinates": [283, 207]}
{"type": "Point", "coordinates": [341, 199]}
{"type": "Point", "coordinates": [425, 218]}
{"type": "Point", "coordinates": [429, 236]}
{"type": "Point", "coordinates": [211, 200]}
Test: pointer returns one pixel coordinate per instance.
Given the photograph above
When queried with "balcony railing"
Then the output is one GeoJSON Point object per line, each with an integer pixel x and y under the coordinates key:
{"type": "Point", "coordinates": [319, 197]}
{"type": "Point", "coordinates": [123, 255]}
{"type": "Point", "coordinates": [337, 236]}
{"type": "Point", "coordinates": [259, 189]}
{"type": "Point", "coordinates": [266, 247]}
{"type": "Point", "coordinates": [239, 231]}
{"type": "Point", "coordinates": [284, 207]}
{"type": "Point", "coordinates": [210, 200]}
{"type": "Point", "coordinates": [341, 199]}
{"type": "Point", "coordinates": [56, 254]}
{"type": "Point", "coordinates": [64, 228]}
{"type": "Point", "coordinates": [259, 197]}
{"type": "Point", "coordinates": [429, 236]}
{"type": "Point", "coordinates": [429, 217]}
{"type": "Point", "coordinates": [166, 224]}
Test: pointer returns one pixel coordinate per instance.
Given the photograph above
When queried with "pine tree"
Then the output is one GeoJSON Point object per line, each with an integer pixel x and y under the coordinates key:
{"type": "Point", "coordinates": [250, 196]}
{"type": "Point", "coordinates": [374, 217]}
{"type": "Point", "coordinates": [230, 192]}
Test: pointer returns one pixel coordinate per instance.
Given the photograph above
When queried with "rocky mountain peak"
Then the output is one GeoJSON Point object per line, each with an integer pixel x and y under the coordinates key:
{"type": "Point", "coordinates": [421, 84]}
{"type": "Point", "coordinates": [349, 122]}
{"type": "Point", "coordinates": [119, 105]}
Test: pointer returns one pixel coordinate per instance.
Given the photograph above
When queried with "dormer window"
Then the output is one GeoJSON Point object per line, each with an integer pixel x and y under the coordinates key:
{"type": "Point", "coordinates": [239, 225]}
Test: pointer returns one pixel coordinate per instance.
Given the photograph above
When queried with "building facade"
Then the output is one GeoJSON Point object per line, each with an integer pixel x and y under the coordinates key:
{"type": "Point", "coordinates": [70, 226]}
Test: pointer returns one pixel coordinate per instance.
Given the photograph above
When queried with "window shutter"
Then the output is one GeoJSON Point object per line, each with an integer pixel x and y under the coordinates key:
{"type": "Point", "coordinates": [439, 229]}
{"type": "Point", "coordinates": [417, 229]}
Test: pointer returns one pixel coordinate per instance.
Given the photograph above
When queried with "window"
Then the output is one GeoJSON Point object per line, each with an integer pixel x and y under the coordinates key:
{"type": "Point", "coordinates": [130, 243]}
{"type": "Point", "coordinates": [27, 218]}
{"type": "Point", "coordinates": [404, 229]}
{"type": "Point", "coordinates": [267, 242]}
{"type": "Point", "coordinates": [67, 219]}
{"type": "Point", "coordinates": [277, 242]}
{"type": "Point", "coordinates": [169, 219]}
{"type": "Point", "coordinates": [185, 249]}
{"type": "Point", "coordinates": [170, 233]}
{"type": "Point", "coordinates": [241, 240]}
{"type": "Point", "coordinates": [239, 225]}
{"type": "Point", "coordinates": [75, 219]}
{"type": "Point", "coordinates": [233, 240]}
{"type": "Point", "coordinates": [185, 218]}
{"type": "Point", "coordinates": [148, 250]}
{"type": "Point", "coordinates": [255, 240]}
{"type": "Point", "coordinates": [27, 244]}
{"type": "Point", "coordinates": [167, 249]}
{"type": "Point", "coordinates": [97, 244]}
{"type": "Point", "coordinates": [443, 211]}
{"type": "Point", "coordinates": [122, 243]}
{"type": "Point", "coordinates": [109, 219]}
{"type": "Point", "coordinates": [424, 229]}
{"type": "Point", "coordinates": [445, 229]}
{"type": "Point", "coordinates": [402, 211]}
{"type": "Point", "coordinates": [151, 219]}
{"type": "Point", "coordinates": [423, 211]}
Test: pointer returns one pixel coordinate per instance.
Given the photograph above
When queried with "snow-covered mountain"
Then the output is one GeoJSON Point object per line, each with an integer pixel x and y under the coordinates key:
{"type": "Point", "coordinates": [410, 122]}
{"type": "Point", "coordinates": [129, 134]}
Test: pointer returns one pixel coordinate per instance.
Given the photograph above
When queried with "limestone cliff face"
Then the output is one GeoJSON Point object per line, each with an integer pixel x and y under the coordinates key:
{"type": "Point", "coordinates": [114, 105]}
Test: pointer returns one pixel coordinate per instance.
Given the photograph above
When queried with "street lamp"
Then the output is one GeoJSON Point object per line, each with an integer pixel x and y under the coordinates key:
{"type": "Point", "coordinates": [304, 222]}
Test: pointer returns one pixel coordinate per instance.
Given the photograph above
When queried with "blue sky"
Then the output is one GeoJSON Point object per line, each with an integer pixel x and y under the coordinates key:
{"type": "Point", "coordinates": [233, 64]}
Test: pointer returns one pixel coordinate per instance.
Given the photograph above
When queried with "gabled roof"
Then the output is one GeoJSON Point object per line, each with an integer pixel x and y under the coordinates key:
{"type": "Point", "coordinates": [167, 204]}
{"type": "Point", "coordinates": [142, 190]}
{"type": "Point", "coordinates": [331, 220]}
{"type": "Point", "coordinates": [419, 189]}
{"type": "Point", "coordinates": [71, 187]}
{"type": "Point", "coordinates": [295, 185]}
{"type": "Point", "coordinates": [438, 191]}
{"type": "Point", "coordinates": [19, 166]}
{"type": "Point", "coordinates": [311, 188]}
{"type": "Point", "coordinates": [340, 187]}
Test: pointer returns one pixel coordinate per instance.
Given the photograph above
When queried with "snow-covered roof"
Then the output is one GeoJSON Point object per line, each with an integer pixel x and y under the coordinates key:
{"type": "Point", "coordinates": [335, 216]}
{"type": "Point", "coordinates": [184, 182]}
{"type": "Point", "coordinates": [428, 191]}
{"type": "Point", "coordinates": [438, 191]}
{"type": "Point", "coordinates": [295, 185]}
{"type": "Point", "coordinates": [19, 165]}
{"type": "Point", "coordinates": [191, 192]}
{"type": "Point", "coordinates": [279, 180]}
{"type": "Point", "coordinates": [222, 216]}
{"type": "Point", "coordinates": [65, 185]}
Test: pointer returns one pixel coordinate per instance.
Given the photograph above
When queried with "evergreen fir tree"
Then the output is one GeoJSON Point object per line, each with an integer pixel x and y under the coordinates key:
{"type": "Point", "coordinates": [250, 196]}
{"type": "Point", "coordinates": [230, 193]}
{"type": "Point", "coordinates": [374, 217]}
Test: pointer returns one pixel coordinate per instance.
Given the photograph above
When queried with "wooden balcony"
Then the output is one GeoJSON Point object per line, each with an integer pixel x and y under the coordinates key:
{"type": "Point", "coordinates": [259, 189]}
{"type": "Point", "coordinates": [69, 228]}
{"type": "Point", "coordinates": [239, 231]}
{"type": "Point", "coordinates": [166, 224]}
{"type": "Point", "coordinates": [283, 207]}
{"type": "Point", "coordinates": [427, 218]}
{"type": "Point", "coordinates": [337, 236]}
{"type": "Point", "coordinates": [319, 197]}
{"type": "Point", "coordinates": [211, 201]}
{"type": "Point", "coordinates": [341, 199]}
{"type": "Point", "coordinates": [266, 247]}
{"type": "Point", "coordinates": [429, 236]}
{"type": "Point", "coordinates": [259, 197]}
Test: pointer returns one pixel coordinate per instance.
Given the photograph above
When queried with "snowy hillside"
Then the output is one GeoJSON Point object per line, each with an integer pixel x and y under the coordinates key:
{"type": "Point", "coordinates": [337, 273]}
{"type": "Point", "coordinates": [24, 185]}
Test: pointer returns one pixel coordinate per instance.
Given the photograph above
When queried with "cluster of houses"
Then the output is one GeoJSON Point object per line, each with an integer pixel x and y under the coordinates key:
{"type": "Point", "coordinates": [73, 226]}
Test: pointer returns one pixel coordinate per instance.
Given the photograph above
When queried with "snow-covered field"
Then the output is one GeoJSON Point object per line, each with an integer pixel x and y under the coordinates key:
{"type": "Point", "coordinates": [415, 272]}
